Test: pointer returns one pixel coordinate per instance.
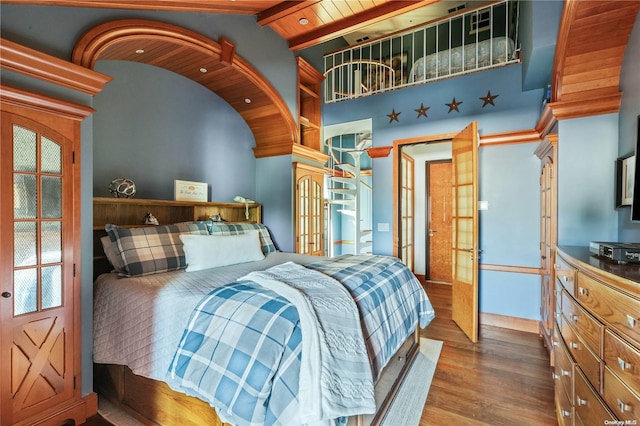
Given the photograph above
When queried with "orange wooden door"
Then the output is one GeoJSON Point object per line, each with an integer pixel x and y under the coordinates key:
{"type": "Point", "coordinates": [309, 209]}
{"type": "Point", "coordinates": [407, 197]}
{"type": "Point", "coordinates": [465, 251]}
{"type": "Point", "coordinates": [439, 220]}
{"type": "Point", "coordinates": [37, 263]}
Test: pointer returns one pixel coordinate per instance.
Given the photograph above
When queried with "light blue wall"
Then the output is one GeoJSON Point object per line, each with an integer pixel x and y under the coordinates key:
{"type": "Point", "coordinates": [587, 150]}
{"type": "Point", "coordinates": [628, 131]}
{"type": "Point", "coordinates": [154, 126]}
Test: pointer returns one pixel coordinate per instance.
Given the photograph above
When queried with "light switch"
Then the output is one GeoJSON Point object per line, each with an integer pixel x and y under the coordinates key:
{"type": "Point", "coordinates": [383, 227]}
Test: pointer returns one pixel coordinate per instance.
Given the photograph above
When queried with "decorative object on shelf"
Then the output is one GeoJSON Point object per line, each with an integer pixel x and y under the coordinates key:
{"type": "Point", "coordinates": [122, 188]}
{"type": "Point", "coordinates": [379, 151]}
{"type": "Point", "coordinates": [454, 105]}
{"type": "Point", "coordinates": [216, 218]}
{"type": "Point", "coordinates": [422, 111]}
{"type": "Point", "coordinates": [246, 201]}
{"type": "Point", "coordinates": [150, 219]}
{"type": "Point", "coordinates": [488, 100]}
{"type": "Point", "coordinates": [393, 116]}
{"type": "Point", "coordinates": [185, 190]}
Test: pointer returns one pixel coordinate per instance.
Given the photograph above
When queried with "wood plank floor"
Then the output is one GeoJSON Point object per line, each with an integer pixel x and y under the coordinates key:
{"type": "Point", "coordinates": [503, 379]}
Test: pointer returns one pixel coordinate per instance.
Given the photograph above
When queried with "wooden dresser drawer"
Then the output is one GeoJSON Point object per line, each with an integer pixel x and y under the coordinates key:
{"type": "Point", "coordinates": [615, 308]}
{"type": "Point", "coordinates": [564, 409]}
{"type": "Point", "coordinates": [565, 274]}
{"type": "Point", "coordinates": [589, 408]}
{"type": "Point", "coordinates": [624, 403]}
{"type": "Point", "coordinates": [623, 359]}
{"type": "Point", "coordinates": [584, 357]}
{"type": "Point", "coordinates": [589, 328]}
{"type": "Point", "coordinates": [563, 369]}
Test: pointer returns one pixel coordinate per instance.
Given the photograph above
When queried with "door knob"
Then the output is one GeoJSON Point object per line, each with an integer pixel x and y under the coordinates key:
{"type": "Point", "coordinates": [6, 294]}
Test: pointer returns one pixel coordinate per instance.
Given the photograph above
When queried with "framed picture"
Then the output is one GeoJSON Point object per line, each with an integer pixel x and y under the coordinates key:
{"type": "Point", "coordinates": [185, 190]}
{"type": "Point", "coordinates": [625, 173]}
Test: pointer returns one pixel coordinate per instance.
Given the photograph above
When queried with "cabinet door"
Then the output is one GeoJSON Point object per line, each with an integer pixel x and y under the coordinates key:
{"type": "Point", "coordinates": [36, 255]}
{"type": "Point", "coordinates": [309, 184]}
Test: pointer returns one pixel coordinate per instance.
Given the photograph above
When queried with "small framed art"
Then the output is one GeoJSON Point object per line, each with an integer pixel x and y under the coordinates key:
{"type": "Point", "coordinates": [185, 190]}
{"type": "Point", "coordinates": [625, 173]}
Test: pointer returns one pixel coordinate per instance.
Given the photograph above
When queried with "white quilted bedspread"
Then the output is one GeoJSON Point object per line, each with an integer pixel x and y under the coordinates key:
{"type": "Point", "coordinates": [137, 322]}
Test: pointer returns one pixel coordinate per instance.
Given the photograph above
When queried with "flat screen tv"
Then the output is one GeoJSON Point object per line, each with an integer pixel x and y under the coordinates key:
{"type": "Point", "coordinates": [635, 204]}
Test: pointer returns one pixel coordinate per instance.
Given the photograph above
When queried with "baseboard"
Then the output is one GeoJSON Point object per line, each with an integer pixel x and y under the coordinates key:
{"type": "Point", "coordinates": [512, 323]}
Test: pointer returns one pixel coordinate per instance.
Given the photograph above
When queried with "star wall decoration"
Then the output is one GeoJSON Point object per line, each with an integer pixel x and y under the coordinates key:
{"type": "Point", "coordinates": [454, 105]}
{"type": "Point", "coordinates": [422, 110]}
{"type": "Point", "coordinates": [488, 100]}
{"type": "Point", "coordinates": [393, 116]}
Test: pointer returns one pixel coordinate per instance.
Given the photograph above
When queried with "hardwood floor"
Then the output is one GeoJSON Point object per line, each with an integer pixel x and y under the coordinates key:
{"type": "Point", "coordinates": [503, 379]}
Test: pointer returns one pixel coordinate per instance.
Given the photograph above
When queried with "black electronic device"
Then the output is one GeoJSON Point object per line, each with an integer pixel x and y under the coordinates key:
{"type": "Point", "coordinates": [617, 252]}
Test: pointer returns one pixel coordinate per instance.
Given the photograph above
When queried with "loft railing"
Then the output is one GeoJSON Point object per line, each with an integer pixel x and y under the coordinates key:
{"type": "Point", "coordinates": [462, 43]}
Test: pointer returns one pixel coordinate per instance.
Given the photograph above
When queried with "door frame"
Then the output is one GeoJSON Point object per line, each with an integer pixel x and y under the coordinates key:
{"type": "Point", "coordinates": [397, 145]}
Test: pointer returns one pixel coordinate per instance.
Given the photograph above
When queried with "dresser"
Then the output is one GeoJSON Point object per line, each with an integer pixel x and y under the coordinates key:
{"type": "Point", "coordinates": [596, 340]}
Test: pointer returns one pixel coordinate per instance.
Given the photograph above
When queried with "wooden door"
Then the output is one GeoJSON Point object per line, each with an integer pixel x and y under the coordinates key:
{"type": "Point", "coordinates": [546, 152]}
{"type": "Point", "coordinates": [407, 194]}
{"type": "Point", "coordinates": [309, 209]}
{"type": "Point", "coordinates": [37, 261]}
{"type": "Point", "coordinates": [465, 250]}
{"type": "Point", "coordinates": [439, 221]}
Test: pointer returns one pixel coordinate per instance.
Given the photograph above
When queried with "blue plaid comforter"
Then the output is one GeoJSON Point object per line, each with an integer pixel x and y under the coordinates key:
{"type": "Point", "coordinates": [241, 350]}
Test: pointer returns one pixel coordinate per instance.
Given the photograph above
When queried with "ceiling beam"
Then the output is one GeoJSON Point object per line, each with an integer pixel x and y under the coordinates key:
{"type": "Point", "coordinates": [282, 10]}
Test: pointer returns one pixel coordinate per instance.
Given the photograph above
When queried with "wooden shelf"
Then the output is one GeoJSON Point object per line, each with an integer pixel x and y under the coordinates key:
{"type": "Point", "coordinates": [309, 105]}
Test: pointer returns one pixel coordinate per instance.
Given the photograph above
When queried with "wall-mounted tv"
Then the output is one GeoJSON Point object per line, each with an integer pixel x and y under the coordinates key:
{"type": "Point", "coordinates": [635, 205]}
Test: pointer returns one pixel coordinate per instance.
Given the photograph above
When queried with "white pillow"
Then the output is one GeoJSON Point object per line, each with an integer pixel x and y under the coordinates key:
{"type": "Point", "coordinates": [211, 251]}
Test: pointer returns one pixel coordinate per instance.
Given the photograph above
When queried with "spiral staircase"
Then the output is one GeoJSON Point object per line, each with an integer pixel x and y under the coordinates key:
{"type": "Point", "coordinates": [349, 188]}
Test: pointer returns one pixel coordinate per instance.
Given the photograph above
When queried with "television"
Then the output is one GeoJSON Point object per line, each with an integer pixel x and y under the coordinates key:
{"type": "Point", "coordinates": [635, 203]}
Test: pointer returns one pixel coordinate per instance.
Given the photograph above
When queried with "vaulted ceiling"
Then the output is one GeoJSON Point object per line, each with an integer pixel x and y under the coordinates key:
{"type": "Point", "coordinates": [590, 48]}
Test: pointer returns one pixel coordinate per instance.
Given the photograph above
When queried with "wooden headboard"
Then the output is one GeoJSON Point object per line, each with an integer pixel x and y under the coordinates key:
{"type": "Point", "coordinates": [130, 213]}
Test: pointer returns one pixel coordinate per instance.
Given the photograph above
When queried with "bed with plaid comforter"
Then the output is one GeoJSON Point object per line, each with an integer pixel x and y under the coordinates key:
{"type": "Point", "coordinates": [242, 349]}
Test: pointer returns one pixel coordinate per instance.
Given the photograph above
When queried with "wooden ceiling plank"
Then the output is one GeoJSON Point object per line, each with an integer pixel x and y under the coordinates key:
{"type": "Point", "coordinates": [605, 55]}
{"type": "Point", "coordinates": [605, 74]}
{"type": "Point", "coordinates": [283, 9]}
{"type": "Point", "coordinates": [339, 28]}
{"type": "Point", "coordinates": [238, 7]}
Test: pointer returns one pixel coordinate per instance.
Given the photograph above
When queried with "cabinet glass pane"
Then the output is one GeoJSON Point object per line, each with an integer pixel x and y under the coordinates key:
{"type": "Point", "coordinates": [51, 197]}
{"type": "Point", "coordinates": [24, 149]}
{"type": "Point", "coordinates": [51, 286]}
{"type": "Point", "coordinates": [24, 240]}
{"type": "Point", "coordinates": [25, 288]}
{"type": "Point", "coordinates": [51, 157]}
{"type": "Point", "coordinates": [24, 196]}
{"type": "Point", "coordinates": [51, 242]}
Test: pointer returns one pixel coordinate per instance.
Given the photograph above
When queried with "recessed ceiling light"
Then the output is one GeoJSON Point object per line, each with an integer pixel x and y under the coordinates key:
{"type": "Point", "coordinates": [247, 100]}
{"type": "Point", "coordinates": [139, 51]}
{"type": "Point", "coordinates": [303, 21]}
{"type": "Point", "coordinates": [203, 70]}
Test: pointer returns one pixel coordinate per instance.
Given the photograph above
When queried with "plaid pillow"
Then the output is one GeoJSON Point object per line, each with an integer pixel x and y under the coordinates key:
{"type": "Point", "coordinates": [221, 228]}
{"type": "Point", "coordinates": [153, 249]}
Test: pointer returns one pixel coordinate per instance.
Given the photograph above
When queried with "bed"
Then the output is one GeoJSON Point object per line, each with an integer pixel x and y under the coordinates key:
{"type": "Point", "coordinates": [144, 318]}
{"type": "Point", "coordinates": [462, 58]}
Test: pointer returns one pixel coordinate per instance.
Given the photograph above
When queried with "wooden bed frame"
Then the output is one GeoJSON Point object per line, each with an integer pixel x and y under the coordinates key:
{"type": "Point", "coordinates": [153, 402]}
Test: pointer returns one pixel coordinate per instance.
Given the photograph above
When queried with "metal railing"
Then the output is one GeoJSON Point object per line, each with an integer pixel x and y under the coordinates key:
{"type": "Point", "coordinates": [475, 40]}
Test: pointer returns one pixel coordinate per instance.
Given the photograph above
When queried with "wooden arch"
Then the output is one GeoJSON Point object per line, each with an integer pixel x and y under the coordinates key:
{"type": "Point", "coordinates": [215, 65]}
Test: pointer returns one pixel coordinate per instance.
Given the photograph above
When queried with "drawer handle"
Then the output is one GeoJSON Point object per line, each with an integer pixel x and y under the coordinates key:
{"type": "Point", "coordinates": [631, 321]}
{"type": "Point", "coordinates": [573, 345]}
{"type": "Point", "coordinates": [624, 365]}
{"type": "Point", "coordinates": [623, 407]}
{"type": "Point", "coordinates": [555, 376]}
{"type": "Point", "coordinates": [574, 317]}
{"type": "Point", "coordinates": [583, 291]}
{"type": "Point", "coordinates": [581, 401]}
{"type": "Point", "coordinates": [565, 373]}
{"type": "Point", "coordinates": [556, 343]}
{"type": "Point", "coordinates": [566, 413]}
